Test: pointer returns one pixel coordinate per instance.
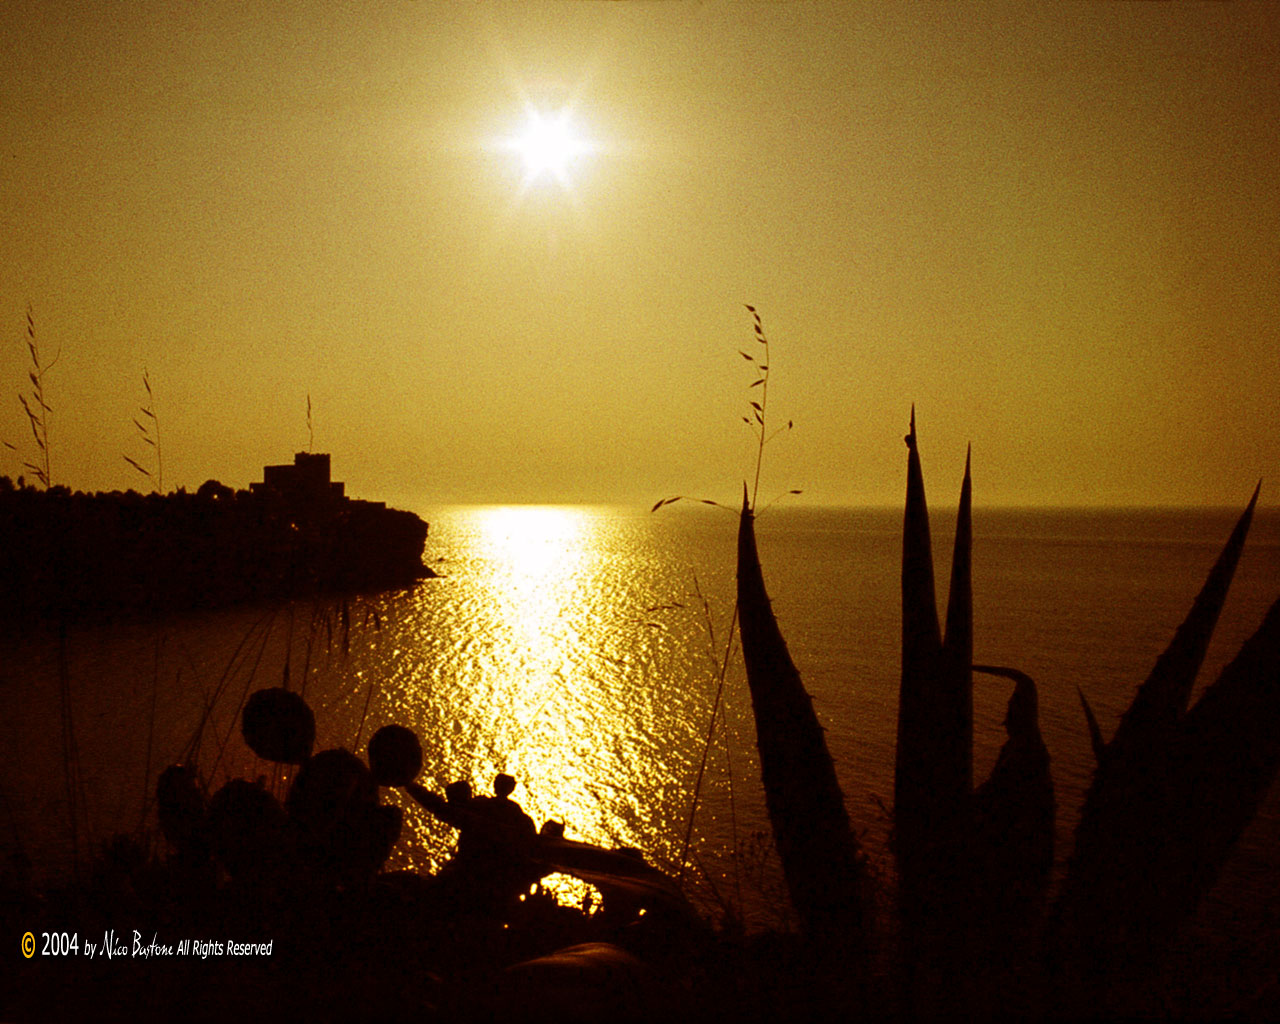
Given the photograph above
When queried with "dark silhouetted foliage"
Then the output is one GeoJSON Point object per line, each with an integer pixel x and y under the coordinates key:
{"type": "Point", "coordinates": [87, 555]}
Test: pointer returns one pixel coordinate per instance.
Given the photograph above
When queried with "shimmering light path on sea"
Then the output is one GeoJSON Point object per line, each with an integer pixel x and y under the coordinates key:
{"type": "Point", "coordinates": [570, 647]}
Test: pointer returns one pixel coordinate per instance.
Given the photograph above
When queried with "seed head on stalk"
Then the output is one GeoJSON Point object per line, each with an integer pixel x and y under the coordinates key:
{"type": "Point", "coordinates": [149, 431]}
{"type": "Point", "coordinates": [36, 407]}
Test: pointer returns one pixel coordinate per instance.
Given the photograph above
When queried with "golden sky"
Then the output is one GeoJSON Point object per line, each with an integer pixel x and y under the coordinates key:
{"type": "Point", "coordinates": [1055, 228]}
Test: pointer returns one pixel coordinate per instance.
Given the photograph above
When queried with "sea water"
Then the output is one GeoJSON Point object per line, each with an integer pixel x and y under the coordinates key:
{"type": "Point", "coordinates": [583, 650]}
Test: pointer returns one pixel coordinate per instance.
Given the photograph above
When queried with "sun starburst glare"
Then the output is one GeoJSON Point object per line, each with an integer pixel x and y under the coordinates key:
{"type": "Point", "coordinates": [548, 146]}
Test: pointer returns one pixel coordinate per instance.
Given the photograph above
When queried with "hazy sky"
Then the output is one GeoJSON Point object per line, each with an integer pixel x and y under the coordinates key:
{"type": "Point", "coordinates": [1055, 228]}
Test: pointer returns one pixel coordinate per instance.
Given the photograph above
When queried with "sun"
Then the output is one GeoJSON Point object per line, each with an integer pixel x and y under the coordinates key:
{"type": "Point", "coordinates": [549, 146]}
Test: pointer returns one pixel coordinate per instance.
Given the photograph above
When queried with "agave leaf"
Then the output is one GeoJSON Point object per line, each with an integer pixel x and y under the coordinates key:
{"type": "Point", "coordinates": [1162, 699]}
{"type": "Point", "coordinates": [919, 602]}
{"type": "Point", "coordinates": [1184, 822]}
{"type": "Point", "coordinates": [821, 859]}
{"type": "Point", "coordinates": [1115, 887]}
{"type": "Point", "coordinates": [1228, 753]}
{"type": "Point", "coordinates": [1012, 837]}
{"type": "Point", "coordinates": [959, 636]}
{"type": "Point", "coordinates": [956, 697]}
{"type": "Point", "coordinates": [1095, 733]}
{"type": "Point", "coordinates": [915, 793]}
{"type": "Point", "coordinates": [1110, 823]}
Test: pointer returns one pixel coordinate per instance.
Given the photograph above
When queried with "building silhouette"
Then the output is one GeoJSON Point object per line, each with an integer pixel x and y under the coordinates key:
{"type": "Point", "coordinates": [303, 486]}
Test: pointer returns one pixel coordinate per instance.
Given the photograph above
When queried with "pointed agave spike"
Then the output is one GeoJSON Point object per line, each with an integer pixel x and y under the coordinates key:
{"type": "Point", "coordinates": [914, 787]}
{"type": "Point", "coordinates": [1162, 699]}
{"type": "Point", "coordinates": [1095, 734]}
{"type": "Point", "coordinates": [1228, 754]}
{"type": "Point", "coordinates": [958, 645]}
{"type": "Point", "coordinates": [821, 859]}
{"type": "Point", "coordinates": [959, 634]}
{"type": "Point", "coordinates": [1111, 888]}
{"type": "Point", "coordinates": [919, 601]}
{"type": "Point", "coordinates": [1184, 822]}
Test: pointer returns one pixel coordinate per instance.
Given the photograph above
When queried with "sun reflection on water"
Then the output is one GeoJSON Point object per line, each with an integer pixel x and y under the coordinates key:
{"type": "Point", "coordinates": [533, 555]}
{"type": "Point", "coordinates": [530, 542]}
{"type": "Point", "coordinates": [537, 659]}
{"type": "Point", "coordinates": [567, 647]}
